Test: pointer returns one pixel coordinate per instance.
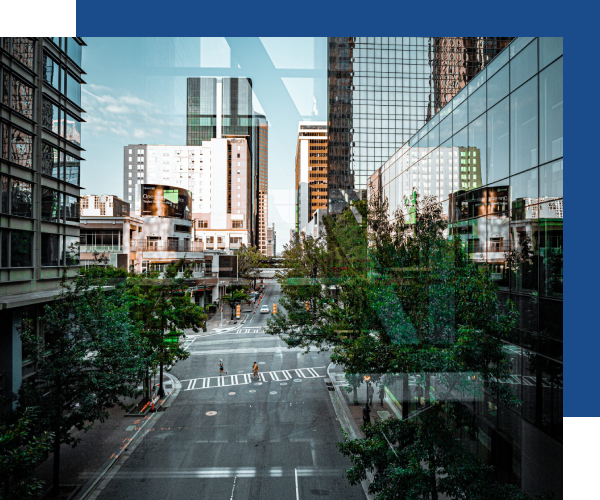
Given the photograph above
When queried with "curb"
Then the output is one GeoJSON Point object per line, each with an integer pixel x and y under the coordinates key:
{"type": "Point", "coordinates": [348, 424]}
{"type": "Point", "coordinates": [105, 476]}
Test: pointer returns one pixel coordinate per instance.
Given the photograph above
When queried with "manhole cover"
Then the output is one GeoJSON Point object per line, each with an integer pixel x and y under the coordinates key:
{"type": "Point", "coordinates": [252, 390]}
{"type": "Point", "coordinates": [232, 393]}
{"type": "Point", "coordinates": [297, 380]}
{"type": "Point", "coordinates": [283, 383]}
{"type": "Point", "coordinates": [273, 392]}
{"type": "Point", "coordinates": [211, 413]}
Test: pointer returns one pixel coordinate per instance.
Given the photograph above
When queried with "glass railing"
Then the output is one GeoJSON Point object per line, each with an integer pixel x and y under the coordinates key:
{"type": "Point", "coordinates": [166, 246]}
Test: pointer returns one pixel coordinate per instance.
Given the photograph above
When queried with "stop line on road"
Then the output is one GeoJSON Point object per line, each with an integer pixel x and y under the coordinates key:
{"type": "Point", "coordinates": [246, 378]}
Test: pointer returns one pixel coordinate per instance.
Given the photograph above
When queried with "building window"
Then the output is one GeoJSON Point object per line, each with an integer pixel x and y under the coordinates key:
{"type": "Point", "coordinates": [51, 250]}
{"type": "Point", "coordinates": [22, 50]}
{"type": "Point", "coordinates": [71, 209]}
{"type": "Point", "coordinates": [16, 248]}
{"type": "Point", "coordinates": [219, 239]}
{"type": "Point", "coordinates": [72, 250]}
{"type": "Point", "coordinates": [202, 224]}
{"type": "Point", "coordinates": [22, 98]}
{"type": "Point", "coordinates": [73, 130]}
{"type": "Point", "coordinates": [72, 169]}
{"type": "Point", "coordinates": [50, 205]}
{"type": "Point", "coordinates": [237, 224]}
{"type": "Point", "coordinates": [51, 72]}
{"type": "Point", "coordinates": [73, 89]}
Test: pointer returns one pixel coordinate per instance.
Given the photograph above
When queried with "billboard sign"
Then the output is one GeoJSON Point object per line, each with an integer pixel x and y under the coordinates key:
{"type": "Point", "coordinates": [166, 201]}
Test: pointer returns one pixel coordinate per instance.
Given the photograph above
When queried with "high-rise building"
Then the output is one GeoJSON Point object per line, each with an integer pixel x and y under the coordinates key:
{"type": "Point", "coordinates": [311, 171]}
{"type": "Point", "coordinates": [261, 135]}
{"type": "Point", "coordinates": [222, 107]}
{"type": "Point", "coordinates": [493, 156]}
{"type": "Point", "coordinates": [271, 241]}
{"type": "Point", "coordinates": [40, 146]}
{"type": "Point", "coordinates": [384, 89]}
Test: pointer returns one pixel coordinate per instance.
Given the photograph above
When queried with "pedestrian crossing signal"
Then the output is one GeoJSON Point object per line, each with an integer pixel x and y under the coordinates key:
{"type": "Point", "coordinates": [237, 311]}
{"type": "Point", "coordinates": [307, 305]}
{"type": "Point", "coordinates": [274, 308]}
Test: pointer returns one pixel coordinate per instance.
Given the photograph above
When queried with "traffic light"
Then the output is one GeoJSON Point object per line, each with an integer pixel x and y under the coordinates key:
{"type": "Point", "coordinates": [237, 311]}
{"type": "Point", "coordinates": [307, 305]}
{"type": "Point", "coordinates": [274, 308]}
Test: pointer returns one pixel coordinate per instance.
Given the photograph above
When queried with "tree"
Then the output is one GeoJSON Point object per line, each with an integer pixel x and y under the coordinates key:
{"type": "Point", "coordinates": [420, 458]}
{"type": "Point", "coordinates": [89, 360]}
{"type": "Point", "coordinates": [162, 310]}
{"type": "Point", "coordinates": [22, 449]}
{"type": "Point", "coordinates": [407, 300]}
{"type": "Point", "coordinates": [234, 298]}
{"type": "Point", "coordinates": [250, 262]}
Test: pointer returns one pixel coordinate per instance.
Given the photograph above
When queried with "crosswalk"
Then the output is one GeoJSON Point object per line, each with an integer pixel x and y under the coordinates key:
{"type": "Point", "coordinates": [246, 378]}
{"type": "Point", "coordinates": [252, 330]}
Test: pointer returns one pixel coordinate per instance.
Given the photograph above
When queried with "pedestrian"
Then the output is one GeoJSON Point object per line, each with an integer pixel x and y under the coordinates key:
{"type": "Point", "coordinates": [255, 370]}
{"type": "Point", "coordinates": [381, 394]}
{"type": "Point", "coordinates": [370, 392]}
{"type": "Point", "coordinates": [366, 415]}
{"type": "Point", "coordinates": [221, 369]}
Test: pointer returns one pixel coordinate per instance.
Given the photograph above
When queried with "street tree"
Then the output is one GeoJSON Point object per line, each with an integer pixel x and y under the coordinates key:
{"type": "Point", "coordinates": [89, 359]}
{"type": "Point", "coordinates": [22, 449]}
{"type": "Point", "coordinates": [162, 310]}
{"type": "Point", "coordinates": [250, 263]}
{"type": "Point", "coordinates": [234, 298]}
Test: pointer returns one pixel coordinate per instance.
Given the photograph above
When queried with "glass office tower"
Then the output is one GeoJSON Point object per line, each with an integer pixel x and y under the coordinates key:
{"type": "Point", "coordinates": [493, 156]}
{"type": "Point", "coordinates": [382, 90]}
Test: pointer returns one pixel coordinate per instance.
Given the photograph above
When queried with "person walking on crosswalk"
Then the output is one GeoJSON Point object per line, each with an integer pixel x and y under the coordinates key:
{"type": "Point", "coordinates": [255, 370]}
{"type": "Point", "coordinates": [221, 370]}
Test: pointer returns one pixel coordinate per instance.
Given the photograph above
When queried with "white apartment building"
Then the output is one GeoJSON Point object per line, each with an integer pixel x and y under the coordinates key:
{"type": "Point", "coordinates": [218, 174]}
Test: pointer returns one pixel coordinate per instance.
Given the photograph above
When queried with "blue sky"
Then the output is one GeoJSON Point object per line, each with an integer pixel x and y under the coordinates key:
{"type": "Point", "coordinates": [136, 93]}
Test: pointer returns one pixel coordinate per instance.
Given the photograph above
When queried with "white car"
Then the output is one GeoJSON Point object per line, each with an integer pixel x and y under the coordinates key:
{"type": "Point", "coordinates": [264, 309]}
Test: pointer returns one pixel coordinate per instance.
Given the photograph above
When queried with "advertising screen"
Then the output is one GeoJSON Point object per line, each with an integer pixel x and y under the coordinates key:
{"type": "Point", "coordinates": [166, 201]}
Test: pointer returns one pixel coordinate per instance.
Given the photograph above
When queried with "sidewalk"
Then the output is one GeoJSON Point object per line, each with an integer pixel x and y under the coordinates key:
{"type": "Point", "coordinates": [98, 449]}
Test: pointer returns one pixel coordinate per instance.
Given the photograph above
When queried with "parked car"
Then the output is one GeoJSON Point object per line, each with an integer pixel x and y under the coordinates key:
{"type": "Point", "coordinates": [264, 309]}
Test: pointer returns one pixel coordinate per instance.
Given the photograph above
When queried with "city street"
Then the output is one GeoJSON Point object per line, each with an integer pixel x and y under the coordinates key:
{"type": "Point", "coordinates": [237, 438]}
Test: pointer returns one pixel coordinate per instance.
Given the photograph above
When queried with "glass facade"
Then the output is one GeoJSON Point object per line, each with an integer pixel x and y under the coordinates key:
{"type": "Point", "coordinates": [382, 90]}
{"type": "Point", "coordinates": [494, 157]}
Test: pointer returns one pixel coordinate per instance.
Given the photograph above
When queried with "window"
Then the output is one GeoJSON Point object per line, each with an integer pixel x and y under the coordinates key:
{"type": "Point", "coordinates": [22, 98]}
{"type": "Point", "coordinates": [238, 155]}
{"type": "Point", "coordinates": [72, 169]}
{"type": "Point", "coordinates": [50, 116]}
{"type": "Point", "coordinates": [219, 239]}
{"type": "Point", "coordinates": [21, 147]}
{"type": "Point", "coordinates": [71, 209]}
{"type": "Point", "coordinates": [16, 248]}
{"type": "Point", "coordinates": [52, 72]}
{"type": "Point", "coordinates": [21, 198]}
{"type": "Point", "coordinates": [239, 187]}
{"type": "Point", "coordinates": [73, 50]}
{"type": "Point", "coordinates": [237, 224]}
{"type": "Point", "coordinates": [50, 205]}
{"type": "Point", "coordinates": [73, 130]}
{"type": "Point", "coordinates": [73, 89]}
{"type": "Point", "coordinates": [22, 50]}
{"type": "Point", "coordinates": [51, 250]}
{"type": "Point", "coordinates": [202, 224]}
{"type": "Point", "coordinates": [72, 250]}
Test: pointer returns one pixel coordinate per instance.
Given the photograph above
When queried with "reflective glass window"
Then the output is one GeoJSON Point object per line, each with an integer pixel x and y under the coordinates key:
{"type": "Point", "coordinates": [50, 205]}
{"type": "Point", "coordinates": [5, 187]}
{"type": "Point", "coordinates": [71, 209]}
{"type": "Point", "coordinates": [22, 49]}
{"type": "Point", "coordinates": [20, 248]}
{"type": "Point", "coordinates": [71, 250]}
{"type": "Point", "coordinates": [22, 98]}
{"type": "Point", "coordinates": [21, 198]}
{"type": "Point", "coordinates": [5, 235]}
{"type": "Point", "coordinates": [446, 129]}
{"type": "Point", "coordinates": [551, 47]}
{"type": "Point", "coordinates": [551, 248]}
{"type": "Point", "coordinates": [73, 50]}
{"type": "Point", "coordinates": [459, 117]}
{"type": "Point", "coordinates": [524, 127]}
{"type": "Point", "coordinates": [524, 195]}
{"type": "Point", "coordinates": [497, 142]}
{"type": "Point", "coordinates": [51, 249]}
{"type": "Point", "coordinates": [5, 140]}
{"type": "Point", "coordinates": [50, 116]}
{"type": "Point", "coordinates": [73, 130]}
{"type": "Point", "coordinates": [5, 88]}
{"type": "Point", "coordinates": [497, 87]}
{"type": "Point", "coordinates": [72, 169]}
{"type": "Point", "coordinates": [21, 148]}
{"type": "Point", "coordinates": [551, 112]}
{"type": "Point", "coordinates": [73, 90]}
{"type": "Point", "coordinates": [47, 157]}
{"type": "Point", "coordinates": [518, 44]}
{"type": "Point", "coordinates": [434, 138]}
{"type": "Point", "coordinates": [497, 63]}
{"type": "Point", "coordinates": [57, 40]}
{"type": "Point", "coordinates": [477, 82]}
{"type": "Point", "coordinates": [52, 72]}
{"type": "Point", "coordinates": [478, 151]}
{"type": "Point", "coordinates": [551, 180]}
{"type": "Point", "coordinates": [523, 66]}
{"type": "Point", "coordinates": [477, 103]}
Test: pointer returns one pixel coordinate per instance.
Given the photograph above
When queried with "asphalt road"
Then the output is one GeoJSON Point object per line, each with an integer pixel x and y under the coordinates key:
{"type": "Point", "coordinates": [234, 438]}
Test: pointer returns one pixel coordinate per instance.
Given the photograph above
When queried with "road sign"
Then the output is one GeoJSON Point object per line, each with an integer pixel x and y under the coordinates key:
{"type": "Point", "coordinates": [274, 308]}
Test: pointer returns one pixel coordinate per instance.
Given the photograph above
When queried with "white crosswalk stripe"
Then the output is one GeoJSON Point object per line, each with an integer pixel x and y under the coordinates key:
{"type": "Point", "coordinates": [252, 330]}
{"type": "Point", "coordinates": [246, 378]}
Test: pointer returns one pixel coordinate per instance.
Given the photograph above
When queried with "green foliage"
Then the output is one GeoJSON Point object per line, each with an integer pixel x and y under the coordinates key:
{"type": "Point", "coordinates": [250, 263]}
{"type": "Point", "coordinates": [22, 449]}
{"type": "Point", "coordinates": [421, 458]}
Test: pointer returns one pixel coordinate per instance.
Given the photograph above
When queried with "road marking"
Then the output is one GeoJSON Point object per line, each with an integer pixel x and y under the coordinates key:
{"type": "Point", "coordinates": [211, 413]}
{"type": "Point", "coordinates": [250, 350]}
{"type": "Point", "coordinates": [273, 392]}
{"type": "Point", "coordinates": [230, 472]}
{"type": "Point", "coordinates": [246, 378]}
{"type": "Point", "coordinates": [296, 474]}
{"type": "Point", "coordinates": [233, 489]}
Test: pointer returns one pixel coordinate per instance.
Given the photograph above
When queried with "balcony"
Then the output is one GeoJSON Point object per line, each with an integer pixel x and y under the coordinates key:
{"type": "Point", "coordinates": [167, 246]}
{"type": "Point", "coordinates": [101, 248]}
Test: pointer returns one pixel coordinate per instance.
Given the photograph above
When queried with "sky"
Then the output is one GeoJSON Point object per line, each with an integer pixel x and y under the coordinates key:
{"type": "Point", "coordinates": [136, 94]}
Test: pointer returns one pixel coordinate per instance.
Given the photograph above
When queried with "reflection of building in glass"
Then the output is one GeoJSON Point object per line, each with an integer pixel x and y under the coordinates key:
{"type": "Point", "coordinates": [311, 171]}
{"type": "Point", "coordinates": [493, 157]}
{"type": "Point", "coordinates": [40, 161]}
{"type": "Point", "coordinates": [382, 90]}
